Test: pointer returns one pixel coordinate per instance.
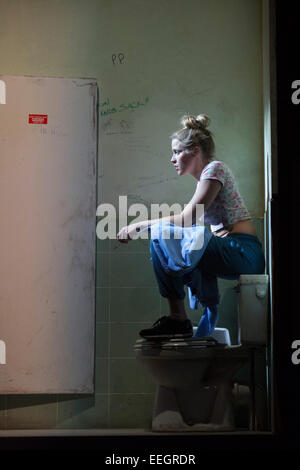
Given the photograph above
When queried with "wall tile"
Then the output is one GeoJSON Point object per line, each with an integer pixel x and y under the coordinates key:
{"type": "Point", "coordinates": [102, 270]}
{"type": "Point", "coordinates": [140, 304]}
{"type": "Point", "coordinates": [103, 246]}
{"type": "Point", "coordinates": [131, 270]}
{"type": "Point", "coordinates": [102, 339]}
{"type": "Point", "coordinates": [83, 413]}
{"type": "Point", "coordinates": [131, 411]}
{"type": "Point", "coordinates": [102, 304]}
{"type": "Point", "coordinates": [128, 376]}
{"type": "Point", "coordinates": [101, 375]}
{"type": "Point", "coordinates": [123, 337]}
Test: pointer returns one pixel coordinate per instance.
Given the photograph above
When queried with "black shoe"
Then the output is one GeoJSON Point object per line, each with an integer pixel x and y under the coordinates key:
{"type": "Point", "coordinates": [166, 327]}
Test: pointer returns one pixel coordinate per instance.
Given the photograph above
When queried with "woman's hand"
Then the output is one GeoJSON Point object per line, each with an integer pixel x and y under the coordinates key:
{"type": "Point", "coordinates": [127, 233]}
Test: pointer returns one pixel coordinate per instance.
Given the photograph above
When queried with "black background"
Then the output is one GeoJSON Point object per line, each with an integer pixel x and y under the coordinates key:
{"type": "Point", "coordinates": [286, 203]}
{"type": "Point", "coordinates": [285, 208]}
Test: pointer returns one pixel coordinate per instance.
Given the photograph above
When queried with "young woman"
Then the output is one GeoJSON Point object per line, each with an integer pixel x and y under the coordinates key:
{"type": "Point", "coordinates": [233, 249]}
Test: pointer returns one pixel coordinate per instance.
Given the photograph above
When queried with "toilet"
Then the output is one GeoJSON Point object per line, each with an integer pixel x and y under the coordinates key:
{"type": "Point", "coordinates": [194, 376]}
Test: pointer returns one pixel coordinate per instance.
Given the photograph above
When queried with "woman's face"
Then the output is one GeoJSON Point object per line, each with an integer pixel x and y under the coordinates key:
{"type": "Point", "coordinates": [182, 159]}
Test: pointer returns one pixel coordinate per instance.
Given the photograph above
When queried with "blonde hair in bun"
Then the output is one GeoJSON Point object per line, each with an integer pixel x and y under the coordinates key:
{"type": "Point", "coordinates": [195, 132]}
{"type": "Point", "coordinates": [199, 122]}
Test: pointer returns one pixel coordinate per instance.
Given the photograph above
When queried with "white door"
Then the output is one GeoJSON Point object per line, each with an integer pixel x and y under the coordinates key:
{"type": "Point", "coordinates": [48, 155]}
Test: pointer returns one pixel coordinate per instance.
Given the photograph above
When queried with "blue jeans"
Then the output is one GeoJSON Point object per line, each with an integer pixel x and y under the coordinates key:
{"type": "Point", "coordinates": [226, 258]}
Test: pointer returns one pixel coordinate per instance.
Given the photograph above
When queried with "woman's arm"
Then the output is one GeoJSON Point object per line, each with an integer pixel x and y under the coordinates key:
{"type": "Point", "coordinates": [206, 191]}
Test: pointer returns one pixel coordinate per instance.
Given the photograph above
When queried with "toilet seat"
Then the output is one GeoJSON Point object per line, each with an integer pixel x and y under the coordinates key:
{"type": "Point", "coordinates": [191, 348]}
{"type": "Point", "coordinates": [178, 344]}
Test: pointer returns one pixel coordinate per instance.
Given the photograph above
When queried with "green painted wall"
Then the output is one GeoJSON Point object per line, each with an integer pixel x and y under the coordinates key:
{"type": "Point", "coordinates": [154, 61]}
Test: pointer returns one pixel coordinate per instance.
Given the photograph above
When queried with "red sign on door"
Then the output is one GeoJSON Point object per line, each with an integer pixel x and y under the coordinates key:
{"type": "Point", "coordinates": [38, 119]}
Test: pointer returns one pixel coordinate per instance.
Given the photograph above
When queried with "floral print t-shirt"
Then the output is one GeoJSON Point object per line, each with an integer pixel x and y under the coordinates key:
{"type": "Point", "coordinates": [228, 207]}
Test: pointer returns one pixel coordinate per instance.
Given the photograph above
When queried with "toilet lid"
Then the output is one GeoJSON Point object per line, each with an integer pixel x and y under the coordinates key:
{"type": "Point", "coordinates": [175, 343]}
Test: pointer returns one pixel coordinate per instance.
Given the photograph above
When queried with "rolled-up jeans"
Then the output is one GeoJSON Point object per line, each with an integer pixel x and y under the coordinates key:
{"type": "Point", "coordinates": [224, 257]}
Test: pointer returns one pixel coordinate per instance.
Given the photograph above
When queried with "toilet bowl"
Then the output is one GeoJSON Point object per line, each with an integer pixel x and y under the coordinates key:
{"type": "Point", "coordinates": [194, 376]}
